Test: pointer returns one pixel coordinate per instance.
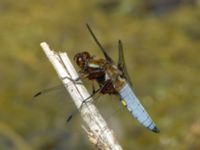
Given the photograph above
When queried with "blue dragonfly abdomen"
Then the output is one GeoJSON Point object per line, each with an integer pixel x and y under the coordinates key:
{"type": "Point", "coordinates": [135, 107]}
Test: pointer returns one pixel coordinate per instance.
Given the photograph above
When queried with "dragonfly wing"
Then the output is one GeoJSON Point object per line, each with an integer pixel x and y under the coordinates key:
{"type": "Point", "coordinates": [121, 63]}
{"type": "Point", "coordinates": [108, 58]}
{"type": "Point", "coordinates": [135, 107]}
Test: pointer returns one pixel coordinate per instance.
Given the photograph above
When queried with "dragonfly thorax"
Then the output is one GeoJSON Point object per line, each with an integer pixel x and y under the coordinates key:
{"type": "Point", "coordinates": [114, 74]}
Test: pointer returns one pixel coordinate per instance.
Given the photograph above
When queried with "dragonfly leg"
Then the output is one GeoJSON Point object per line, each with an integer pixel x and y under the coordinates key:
{"type": "Point", "coordinates": [73, 80]}
{"type": "Point", "coordinates": [83, 102]}
{"type": "Point", "coordinates": [43, 91]}
{"type": "Point", "coordinates": [87, 100]}
{"type": "Point", "coordinates": [93, 87]}
{"type": "Point", "coordinates": [99, 90]}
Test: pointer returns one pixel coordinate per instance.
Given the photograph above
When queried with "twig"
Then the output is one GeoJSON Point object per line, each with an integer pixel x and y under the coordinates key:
{"type": "Point", "coordinates": [97, 129]}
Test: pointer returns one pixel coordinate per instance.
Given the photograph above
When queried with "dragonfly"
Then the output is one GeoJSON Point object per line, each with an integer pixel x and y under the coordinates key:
{"type": "Point", "coordinates": [113, 79]}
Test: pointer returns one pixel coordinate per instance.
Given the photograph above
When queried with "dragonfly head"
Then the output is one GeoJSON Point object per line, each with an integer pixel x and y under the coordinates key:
{"type": "Point", "coordinates": [82, 58]}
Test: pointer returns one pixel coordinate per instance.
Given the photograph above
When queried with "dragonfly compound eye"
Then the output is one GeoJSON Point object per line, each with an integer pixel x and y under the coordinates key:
{"type": "Point", "coordinates": [82, 58]}
{"type": "Point", "coordinates": [86, 55]}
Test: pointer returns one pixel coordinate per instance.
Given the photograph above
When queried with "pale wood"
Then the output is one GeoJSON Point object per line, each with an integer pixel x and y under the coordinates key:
{"type": "Point", "coordinates": [96, 127]}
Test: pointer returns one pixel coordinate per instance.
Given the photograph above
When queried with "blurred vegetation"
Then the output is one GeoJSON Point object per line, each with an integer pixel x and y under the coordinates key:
{"type": "Point", "coordinates": [161, 42]}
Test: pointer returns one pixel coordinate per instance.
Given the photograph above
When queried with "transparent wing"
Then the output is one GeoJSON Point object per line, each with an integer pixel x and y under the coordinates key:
{"type": "Point", "coordinates": [108, 58]}
{"type": "Point", "coordinates": [41, 92]}
{"type": "Point", "coordinates": [121, 63]}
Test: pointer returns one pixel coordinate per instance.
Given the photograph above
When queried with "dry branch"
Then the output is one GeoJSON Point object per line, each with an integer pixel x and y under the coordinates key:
{"type": "Point", "coordinates": [97, 129]}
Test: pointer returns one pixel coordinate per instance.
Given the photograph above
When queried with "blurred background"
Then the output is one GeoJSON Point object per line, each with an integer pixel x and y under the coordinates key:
{"type": "Point", "coordinates": [161, 42]}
